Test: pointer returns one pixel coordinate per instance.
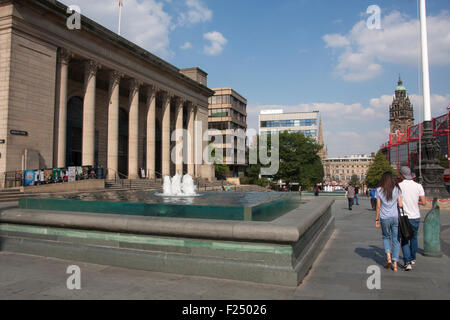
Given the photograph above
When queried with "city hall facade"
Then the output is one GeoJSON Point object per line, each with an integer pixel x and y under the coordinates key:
{"type": "Point", "coordinates": [88, 97]}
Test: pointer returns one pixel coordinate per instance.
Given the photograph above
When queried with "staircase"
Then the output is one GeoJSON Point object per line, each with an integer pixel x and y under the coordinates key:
{"type": "Point", "coordinates": [13, 194]}
{"type": "Point", "coordinates": [141, 184]}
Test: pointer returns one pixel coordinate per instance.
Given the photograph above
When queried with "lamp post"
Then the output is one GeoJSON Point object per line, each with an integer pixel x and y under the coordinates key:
{"type": "Point", "coordinates": [432, 174]}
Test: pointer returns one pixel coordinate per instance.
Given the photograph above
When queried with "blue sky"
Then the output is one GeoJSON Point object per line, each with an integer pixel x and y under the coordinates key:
{"type": "Point", "coordinates": [298, 55]}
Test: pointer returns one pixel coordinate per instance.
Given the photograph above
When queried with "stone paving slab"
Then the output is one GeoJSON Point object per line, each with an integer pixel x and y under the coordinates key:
{"type": "Point", "coordinates": [338, 273]}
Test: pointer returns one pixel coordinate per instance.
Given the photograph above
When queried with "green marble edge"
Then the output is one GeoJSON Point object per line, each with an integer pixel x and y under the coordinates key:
{"type": "Point", "coordinates": [146, 240]}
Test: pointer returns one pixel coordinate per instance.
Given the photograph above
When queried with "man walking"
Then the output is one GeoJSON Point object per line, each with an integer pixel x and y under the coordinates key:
{"type": "Point", "coordinates": [357, 195]}
{"type": "Point", "coordinates": [412, 195]}
{"type": "Point", "coordinates": [373, 199]}
{"type": "Point", "coordinates": [350, 196]}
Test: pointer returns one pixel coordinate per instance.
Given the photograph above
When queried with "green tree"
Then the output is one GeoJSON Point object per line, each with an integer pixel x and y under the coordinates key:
{"type": "Point", "coordinates": [355, 180]}
{"type": "Point", "coordinates": [299, 161]}
{"type": "Point", "coordinates": [221, 171]}
{"type": "Point", "coordinates": [377, 169]}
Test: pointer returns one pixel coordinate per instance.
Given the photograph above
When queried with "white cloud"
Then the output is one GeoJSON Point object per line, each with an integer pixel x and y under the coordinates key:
{"type": "Point", "coordinates": [439, 105]}
{"type": "Point", "coordinates": [217, 43]}
{"type": "Point", "coordinates": [186, 46]}
{"type": "Point", "coordinates": [197, 13]}
{"type": "Point", "coordinates": [146, 23]}
{"type": "Point", "coordinates": [354, 128]}
{"type": "Point", "coordinates": [335, 40]}
{"type": "Point", "coordinates": [364, 50]}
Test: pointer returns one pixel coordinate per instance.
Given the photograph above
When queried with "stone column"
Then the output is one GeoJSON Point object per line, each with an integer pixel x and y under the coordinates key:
{"type": "Point", "coordinates": [179, 137]}
{"type": "Point", "coordinates": [63, 77]}
{"type": "Point", "coordinates": [88, 148]}
{"type": "Point", "coordinates": [133, 131]}
{"type": "Point", "coordinates": [165, 137]}
{"type": "Point", "coordinates": [198, 142]}
{"type": "Point", "coordinates": [151, 132]}
{"type": "Point", "coordinates": [191, 140]}
{"type": "Point", "coordinates": [113, 124]}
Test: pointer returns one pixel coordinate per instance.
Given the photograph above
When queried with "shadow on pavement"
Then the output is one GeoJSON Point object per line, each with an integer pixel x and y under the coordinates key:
{"type": "Point", "coordinates": [373, 252]}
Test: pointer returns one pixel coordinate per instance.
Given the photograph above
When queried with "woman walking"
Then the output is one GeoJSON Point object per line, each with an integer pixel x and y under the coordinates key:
{"type": "Point", "coordinates": [388, 196]}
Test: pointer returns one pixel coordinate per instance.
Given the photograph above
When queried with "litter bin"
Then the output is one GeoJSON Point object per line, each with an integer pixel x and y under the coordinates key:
{"type": "Point", "coordinates": [99, 173]}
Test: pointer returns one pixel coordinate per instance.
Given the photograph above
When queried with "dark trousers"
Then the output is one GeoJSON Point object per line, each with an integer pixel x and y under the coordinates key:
{"type": "Point", "coordinates": [373, 202]}
{"type": "Point", "coordinates": [350, 203]}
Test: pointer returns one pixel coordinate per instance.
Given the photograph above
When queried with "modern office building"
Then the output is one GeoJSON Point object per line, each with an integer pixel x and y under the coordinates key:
{"type": "Point", "coordinates": [277, 120]}
{"type": "Point", "coordinates": [341, 169]}
{"type": "Point", "coordinates": [88, 97]}
{"type": "Point", "coordinates": [228, 119]}
{"type": "Point", "coordinates": [308, 123]}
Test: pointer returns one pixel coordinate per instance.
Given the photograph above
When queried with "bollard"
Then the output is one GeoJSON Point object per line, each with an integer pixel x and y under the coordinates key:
{"type": "Point", "coordinates": [432, 232]}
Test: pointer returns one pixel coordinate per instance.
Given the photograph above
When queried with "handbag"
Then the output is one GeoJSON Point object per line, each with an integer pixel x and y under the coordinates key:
{"type": "Point", "coordinates": [404, 226]}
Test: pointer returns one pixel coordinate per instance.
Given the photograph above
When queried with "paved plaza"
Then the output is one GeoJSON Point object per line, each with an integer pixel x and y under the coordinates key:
{"type": "Point", "coordinates": [340, 272]}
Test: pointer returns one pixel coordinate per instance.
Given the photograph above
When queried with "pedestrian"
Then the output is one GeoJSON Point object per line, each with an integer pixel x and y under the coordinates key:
{"type": "Point", "coordinates": [316, 191]}
{"type": "Point", "coordinates": [413, 194]}
{"type": "Point", "coordinates": [373, 199]}
{"type": "Point", "coordinates": [350, 196]}
{"type": "Point", "coordinates": [388, 196]}
{"type": "Point", "coordinates": [356, 195]}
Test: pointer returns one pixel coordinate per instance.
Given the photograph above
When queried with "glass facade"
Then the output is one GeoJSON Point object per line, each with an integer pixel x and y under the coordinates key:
{"type": "Point", "coordinates": [288, 123]}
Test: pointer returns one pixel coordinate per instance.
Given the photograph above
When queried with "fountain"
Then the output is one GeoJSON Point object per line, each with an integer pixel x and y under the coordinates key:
{"type": "Point", "coordinates": [177, 187]}
{"type": "Point", "coordinates": [176, 231]}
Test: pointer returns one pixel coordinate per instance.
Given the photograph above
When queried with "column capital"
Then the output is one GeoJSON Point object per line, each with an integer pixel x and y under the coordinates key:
{"type": "Point", "coordinates": [135, 84]}
{"type": "Point", "coordinates": [180, 101]}
{"type": "Point", "coordinates": [167, 94]}
{"type": "Point", "coordinates": [91, 67]}
{"type": "Point", "coordinates": [150, 89]}
{"type": "Point", "coordinates": [64, 56]}
{"type": "Point", "coordinates": [115, 77]}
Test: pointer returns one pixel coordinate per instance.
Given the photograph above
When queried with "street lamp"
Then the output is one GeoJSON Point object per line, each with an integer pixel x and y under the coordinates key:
{"type": "Point", "coordinates": [431, 173]}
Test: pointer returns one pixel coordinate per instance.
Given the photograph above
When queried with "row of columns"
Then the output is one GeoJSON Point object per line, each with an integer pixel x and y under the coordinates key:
{"type": "Point", "coordinates": [88, 139]}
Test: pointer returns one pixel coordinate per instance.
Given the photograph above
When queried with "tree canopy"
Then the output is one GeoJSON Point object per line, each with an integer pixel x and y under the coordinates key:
{"type": "Point", "coordinates": [377, 169]}
{"type": "Point", "coordinates": [299, 160]}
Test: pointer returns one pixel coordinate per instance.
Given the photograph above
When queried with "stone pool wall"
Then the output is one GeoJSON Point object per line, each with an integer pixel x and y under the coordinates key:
{"type": "Point", "coordinates": [277, 252]}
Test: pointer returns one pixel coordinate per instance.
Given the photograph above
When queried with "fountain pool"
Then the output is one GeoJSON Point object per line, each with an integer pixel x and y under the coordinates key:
{"type": "Point", "coordinates": [244, 206]}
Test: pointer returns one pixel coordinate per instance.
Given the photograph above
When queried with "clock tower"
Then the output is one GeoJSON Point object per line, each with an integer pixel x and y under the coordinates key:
{"type": "Point", "coordinates": [401, 110]}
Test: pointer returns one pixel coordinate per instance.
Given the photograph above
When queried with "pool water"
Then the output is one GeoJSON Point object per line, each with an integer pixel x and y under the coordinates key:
{"type": "Point", "coordinates": [247, 206]}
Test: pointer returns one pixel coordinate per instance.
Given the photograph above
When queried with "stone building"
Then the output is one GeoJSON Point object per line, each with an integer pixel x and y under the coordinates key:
{"type": "Point", "coordinates": [401, 111]}
{"type": "Point", "coordinates": [90, 97]}
{"type": "Point", "coordinates": [228, 118]}
{"type": "Point", "coordinates": [341, 169]}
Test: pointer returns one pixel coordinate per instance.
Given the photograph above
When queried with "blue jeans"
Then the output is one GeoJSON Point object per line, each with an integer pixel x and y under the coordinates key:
{"type": "Point", "coordinates": [357, 199]}
{"type": "Point", "coordinates": [409, 248]}
{"type": "Point", "coordinates": [389, 227]}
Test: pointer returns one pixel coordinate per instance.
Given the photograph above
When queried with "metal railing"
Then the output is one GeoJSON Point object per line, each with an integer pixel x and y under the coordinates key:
{"type": "Point", "coordinates": [11, 179]}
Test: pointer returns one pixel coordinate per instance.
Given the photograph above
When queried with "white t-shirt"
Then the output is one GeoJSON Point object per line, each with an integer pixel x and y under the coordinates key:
{"type": "Point", "coordinates": [411, 192]}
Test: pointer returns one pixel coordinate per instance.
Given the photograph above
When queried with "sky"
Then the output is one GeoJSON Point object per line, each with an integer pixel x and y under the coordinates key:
{"type": "Point", "coordinates": [299, 55]}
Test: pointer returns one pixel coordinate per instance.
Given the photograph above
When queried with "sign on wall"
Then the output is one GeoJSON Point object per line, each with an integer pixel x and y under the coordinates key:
{"type": "Point", "coordinates": [18, 132]}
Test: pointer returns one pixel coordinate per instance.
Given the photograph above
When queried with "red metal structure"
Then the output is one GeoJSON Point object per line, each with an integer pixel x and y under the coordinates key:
{"type": "Point", "coordinates": [402, 148]}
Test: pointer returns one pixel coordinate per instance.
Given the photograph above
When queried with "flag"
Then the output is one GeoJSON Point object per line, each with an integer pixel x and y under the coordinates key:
{"type": "Point", "coordinates": [120, 3]}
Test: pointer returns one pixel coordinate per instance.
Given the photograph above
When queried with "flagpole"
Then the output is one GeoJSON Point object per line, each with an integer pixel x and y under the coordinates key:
{"type": "Point", "coordinates": [425, 62]}
{"type": "Point", "coordinates": [120, 16]}
{"type": "Point", "coordinates": [432, 172]}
